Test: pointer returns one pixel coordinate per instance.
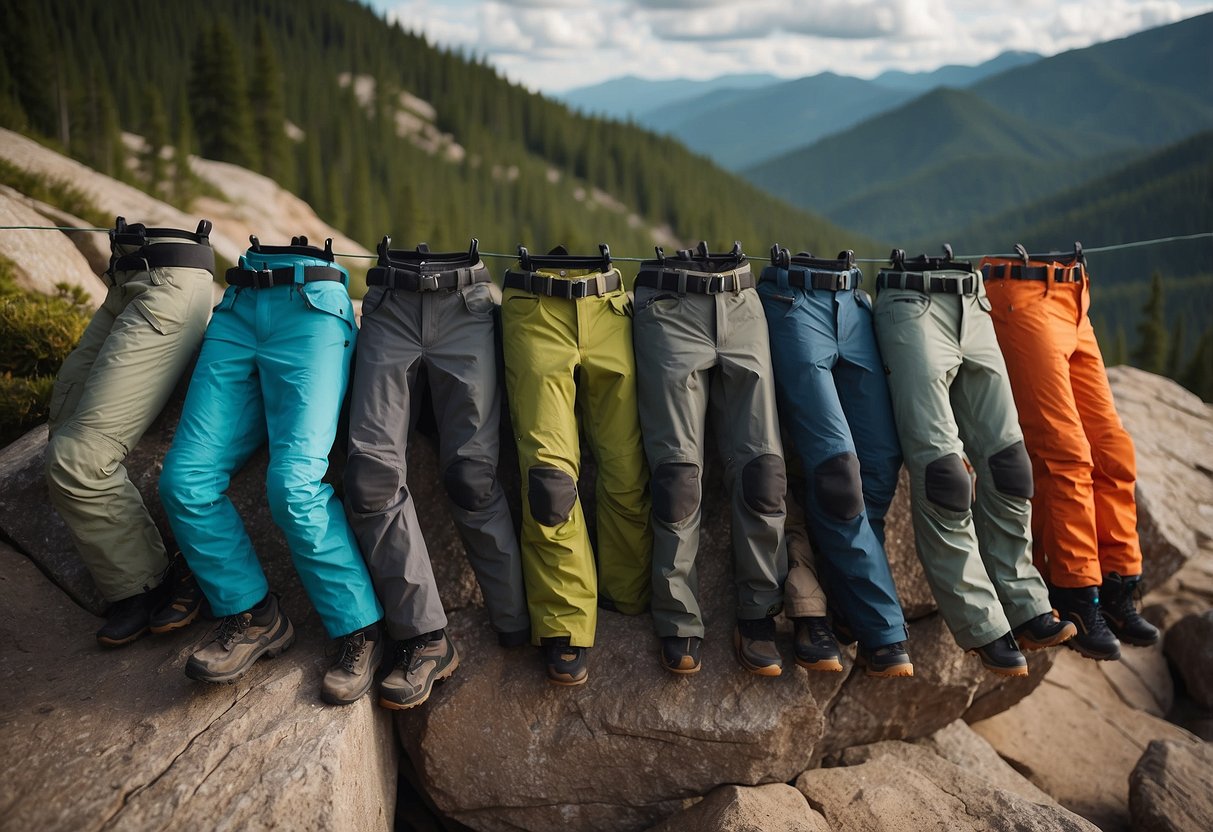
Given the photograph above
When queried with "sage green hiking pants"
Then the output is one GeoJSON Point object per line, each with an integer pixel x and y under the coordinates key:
{"type": "Point", "coordinates": [109, 390]}
{"type": "Point", "coordinates": [952, 400]}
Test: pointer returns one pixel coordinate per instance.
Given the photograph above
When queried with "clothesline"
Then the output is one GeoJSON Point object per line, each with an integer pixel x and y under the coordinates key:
{"type": "Point", "coordinates": [1086, 250]}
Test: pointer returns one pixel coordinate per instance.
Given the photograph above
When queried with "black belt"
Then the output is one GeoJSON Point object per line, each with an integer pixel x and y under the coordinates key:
{"type": "Point", "coordinates": [829, 281]}
{"type": "Point", "coordinates": [1061, 274]}
{"type": "Point", "coordinates": [701, 283]}
{"type": "Point", "coordinates": [413, 281]}
{"type": "Point", "coordinates": [555, 287]}
{"type": "Point", "coordinates": [268, 278]}
{"type": "Point", "coordinates": [166, 255]}
{"type": "Point", "coordinates": [966, 285]}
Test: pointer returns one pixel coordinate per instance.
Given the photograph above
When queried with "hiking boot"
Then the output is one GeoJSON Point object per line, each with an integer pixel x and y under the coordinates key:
{"type": "Point", "coordinates": [815, 646]}
{"type": "Point", "coordinates": [1045, 630]}
{"type": "Point", "coordinates": [888, 661]}
{"type": "Point", "coordinates": [567, 665]}
{"type": "Point", "coordinates": [1002, 657]}
{"type": "Point", "coordinates": [350, 677]}
{"type": "Point", "coordinates": [240, 640]}
{"type": "Point", "coordinates": [127, 620]}
{"type": "Point", "coordinates": [420, 662]}
{"type": "Point", "coordinates": [680, 654]}
{"type": "Point", "coordinates": [181, 598]}
{"type": "Point", "coordinates": [754, 641]}
{"type": "Point", "coordinates": [1081, 607]}
{"type": "Point", "coordinates": [1119, 596]}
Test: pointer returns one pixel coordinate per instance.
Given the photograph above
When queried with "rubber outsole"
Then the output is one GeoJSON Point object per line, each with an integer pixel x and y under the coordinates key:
{"type": "Point", "coordinates": [1026, 642]}
{"type": "Point", "coordinates": [1091, 654]}
{"type": "Point", "coordinates": [821, 665]}
{"type": "Point", "coordinates": [682, 671]}
{"type": "Point", "coordinates": [768, 670]}
{"type": "Point", "coordinates": [441, 677]}
{"type": "Point", "coordinates": [177, 625]}
{"type": "Point", "coordinates": [897, 671]}
{"type": "Point", "coordinates": [121, 642]}
{"type": "Point", "coordinates": [272, 651]}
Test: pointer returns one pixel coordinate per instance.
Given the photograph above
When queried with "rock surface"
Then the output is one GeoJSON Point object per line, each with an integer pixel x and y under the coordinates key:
{"type": "Point", "coordinates": [898, 786]}
{"type": "Point", "coordinates": [1169, 788]}
{"type": "Point", "coordinates": [43, 258]}
{"type": "Point", "coordinates": [773, 808]}
{"type": "Point", "coordinates": [122, 739]}
{"type": "Point", "coordinates": [961, 745]}
{"type": "Point", "coordinates": [1077, 740]}
{"type": "Point", "coordinates": [1189, 646]}
{"type": "Point", "coordinates": [1172, 430]}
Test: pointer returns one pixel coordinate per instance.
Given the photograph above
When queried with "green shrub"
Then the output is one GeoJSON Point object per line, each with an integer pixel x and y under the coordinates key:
{"type": "Point", "coordinates": [23, 404]}
{"type": "Point", "coordinates": [37, 332]}
{"type": "Point", "coordinates": [62, 195]}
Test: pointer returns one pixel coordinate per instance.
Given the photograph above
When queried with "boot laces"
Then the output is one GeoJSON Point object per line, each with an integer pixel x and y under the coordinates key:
{"type": "Point", "coordinates": [231, 628]}
{"type": "Point", "coordinates": [819, 631]}
{"type": "Point", "coordinates": [408, 652]}
{"type": "Point", "coordinates": [352, 648]}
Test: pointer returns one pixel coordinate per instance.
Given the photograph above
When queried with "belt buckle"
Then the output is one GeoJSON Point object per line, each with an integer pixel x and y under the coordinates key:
{"type": "Point", "coordinates": [715, 284]}
{"type": "Point", "coordinates": [268, 278]}
{"type": "Point", "coordinates": [576, 289]}
{"type": "Point", "coordinates": [840, 281]}
{"type": "Point", "coordinates": [427, 283]}
{"type": "Point", "coordinates": [960, 285]}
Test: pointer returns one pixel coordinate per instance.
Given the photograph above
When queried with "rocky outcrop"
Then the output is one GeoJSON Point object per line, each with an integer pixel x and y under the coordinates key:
{"type": "Point", "coordinates": [1076, 739]}
{"type": "Point", "coordinates": [1169, 788]}
{"type": "Point", "coordinates": [1189, 646]}
{"type": "Point", "coordinates": [962, 746]}
{"type": "Point", "coordinates": [122, 739]}
{"type": "Point", "coordinates": [773, 808]}
{"type": "Point", "coordinates": [894, 786]}
{"type": "Point", "coordinates": [43, 258]}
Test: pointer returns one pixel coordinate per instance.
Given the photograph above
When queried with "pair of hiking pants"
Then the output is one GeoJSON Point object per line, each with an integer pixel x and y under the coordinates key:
{"type": "Point", "coordinates": [835, 403]}
{"type": "Point", "coordinates": [110, 389]}
{"type": "Point", "coordinates": [952, 401]}
{"type": "Point", "coordinates": [569, 360]}
{"type": "Point", "coordinates": [701, 351]}
{"type": "Point", "coordinates": [432, 317]}
{"type": "Point", "coordinates": [1084, 513]}
{"type": "Point", "coordinates": [274, 367]}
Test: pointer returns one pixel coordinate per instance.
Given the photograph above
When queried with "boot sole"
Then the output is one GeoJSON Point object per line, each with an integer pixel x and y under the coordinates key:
{"type": "Point", "coordinates": [441, 677]}
{"type": "Point", "coordinates": [1026, 642]}
{"type": "Point", "coordinates": [767, 670]}
{"type": "Point", "coordinates": [272, 651]}
{"type": "Point", "coordinates": [178, 624]}
{"type": "Point", "coordinates": [1091, 654]}
{"type": "Point", "coordinates": [105, 641]}
{"type": "Point", "coordinates": [1007, 672]}
{"type": "Point", "coordinates": [821, 665]}
{"type": "Point", "coordinates": [681, 671]}
{"type": "Point", "coordinates": [901, 671]}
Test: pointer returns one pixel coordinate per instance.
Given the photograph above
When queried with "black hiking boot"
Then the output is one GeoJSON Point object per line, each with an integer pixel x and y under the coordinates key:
{"type": "Point", "coordinates": [1002, 657]}
{"type": "Point", "coordinates": [1045, 630]}
{"type": "Point", "coordinates": [1119, 597]}
{"type": "Point", "coordinates": [754, 641]}
{"type": "Point", "coordinates": [567, 665]}
{"type": "Point", "coordinates": [127, 619]}
{"type": "Point", "coordinates": [815, 646]}
{"type": "Point", "coordinates": [181, 598]}
{"type": "Point", "coordinates": [680, 654]}
{"type": "Point", "coordinates": [885, 662]}
{"type": "Point", "coordinates": [1081, 606]}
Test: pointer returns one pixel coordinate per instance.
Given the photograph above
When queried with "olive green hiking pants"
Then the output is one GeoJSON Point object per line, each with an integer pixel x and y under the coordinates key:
{"type": "Point", "coordinates": [109, 390]}
{"type": "Point", "coordinates": [567, 360]}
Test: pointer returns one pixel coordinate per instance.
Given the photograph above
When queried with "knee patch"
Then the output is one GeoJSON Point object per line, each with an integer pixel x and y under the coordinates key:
{"type": "Point", "coordinates": [838, 486]}
{"type": "Point", "coordinates": [675, 491]}
{"type": "Point", "coordinates": [764, 484]}
{"type": "Point", "coordinates": [469, 483]}
{"type": "Point", "coordinates": [371, 483]}
{"type": "Point", "coordinates": [552, 494]}
{"type": "Point", "coordinates": [1011, 470]}
{"type": "Point", "coordinates": [948, 483]}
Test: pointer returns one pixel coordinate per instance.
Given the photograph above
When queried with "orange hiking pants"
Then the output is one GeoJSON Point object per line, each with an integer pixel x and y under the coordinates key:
{"type": "Point", "coordinates": [1084, 516]}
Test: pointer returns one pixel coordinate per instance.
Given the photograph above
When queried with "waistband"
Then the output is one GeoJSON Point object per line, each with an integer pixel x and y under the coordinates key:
{"type": "Point", "coordinates": [164, 256]}
{"type": "Point", "coordinates": [804, 278]}
{"type": "Point", "coordinates": [422, 270]}
{"type": "Point", "coordinates": [541, 283]}
{"type": "Point", "coordinates": [283, 276]}
{"type": "Point", "coordinates": [946, 282]}
{"type": "Point", "coordinates": [136, 234]}
{"type": "Point", "coordinates": [699, 282]}
{"type": "Point", "coordinates": [1061, 268]}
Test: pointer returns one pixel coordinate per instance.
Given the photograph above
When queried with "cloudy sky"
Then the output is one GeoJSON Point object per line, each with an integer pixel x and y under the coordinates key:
{"type": "Point", "coordinates": [553, 45]}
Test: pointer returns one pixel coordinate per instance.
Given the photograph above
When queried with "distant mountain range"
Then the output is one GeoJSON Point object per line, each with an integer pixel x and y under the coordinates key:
{"type": "Point", "coordinates": [741, 120]}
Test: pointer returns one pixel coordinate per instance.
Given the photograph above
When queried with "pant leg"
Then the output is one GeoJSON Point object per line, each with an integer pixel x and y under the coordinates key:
{"type": "Point", "coordinates": [1113, 456]}
{"type": "Point", "coordinates": [304, 367]}
{"type": "Point", "coordinates": [462, 367]}
{"type": "Point", "coordinates": [675, 352]}
{"type": "Point", "coordinates": [221, 425]}
{"type": "Point", "coordinates": [918, 337]}
{"type": "Point", "coordinates": [805, 352]}
{"type": "Point", "coordinates": [1034, 322]}
{"type": "Point", "coordinates": [607, 401]}
{"type": "Point", "coordinates": [111, 390]}
{"type": "Point", "coordinates": [742, 400]}
{"type": "Point", "coordinates": [540, 345]}
{"type": "Point", "coordinates": [803, 595]}
{"type": "Point", "coordinates": [989, 425]}
{"type": "Point", "coordinates": [379, 503]}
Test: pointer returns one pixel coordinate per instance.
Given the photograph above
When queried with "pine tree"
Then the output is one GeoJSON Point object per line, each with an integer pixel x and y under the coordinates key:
{"type": "Point", "coordinates": [219, 98]}
{"type": "Point", "coordinates": [184, 185]}
{"type": "Point", "coordinates": [268, 101]}
{"type": "Point", "coordinates": [1198, 375]}
{"type": "Point", "coordinates": [1120, 350]}
{"type": "Point", "coordinates": [1175, 355]}
{"type": "Point", "coordinates": [1151, 351]}
{"type": "Point", "coordinates": [156, 134]}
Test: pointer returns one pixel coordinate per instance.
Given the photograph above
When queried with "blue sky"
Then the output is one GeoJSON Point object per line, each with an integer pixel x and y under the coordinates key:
{"type": "Point", "coordinates": [553, 45]}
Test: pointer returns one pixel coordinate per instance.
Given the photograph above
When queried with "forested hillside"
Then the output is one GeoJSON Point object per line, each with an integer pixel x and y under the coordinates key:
{"type": "Point", "coordinates": [378, 130]}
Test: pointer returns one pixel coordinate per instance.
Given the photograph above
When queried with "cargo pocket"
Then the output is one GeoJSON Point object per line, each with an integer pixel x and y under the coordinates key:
{"type": "Point", "coordinates": [373, 299]}
{"type": "Point", "coordinates": [331, 298]}
{"type": "Point", "coordinates": [621, 304]}
{"type": "Point", "coordinates": [478, 299]}
{"type": "Point", "coordinates": [904, 307]}
{"type": "Point", "coordinates": [163, 304]}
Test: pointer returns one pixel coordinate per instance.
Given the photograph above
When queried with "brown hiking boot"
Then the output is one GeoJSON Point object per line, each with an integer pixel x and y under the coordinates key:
{"type": "Point", "coordinates": [1045, 630]}
{"type": "Point", "coordinates": [754, 641]}
{"type": "Point", "coordinates": [420, 662]}
{"type": "Point", "coordinates": [240, 640]}
{"type": "Point", "coordinates": [351, 675]}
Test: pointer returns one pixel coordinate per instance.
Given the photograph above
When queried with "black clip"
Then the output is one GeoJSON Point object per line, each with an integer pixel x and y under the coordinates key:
{"type": "Point", "coordinates": [382, 250]}
{"type": "Point", "coordinates": [660, 255]}
{"type": "Point", "coordinates": [524, 258]}
{"type": "Point", "coordinates": [328, 248]}
{"type": "Point", "coordinates": [847, 255]}
{"type": "Point", "coordinates": [702, 248]}
{"type": "Point", "coordinates": [301, 240]}
{"type": "Point", "coordinates": [254, 243]}
{"type": "Point", "coordinates": [737, 252]}
{"type": "Point", "coordinates": [1079, 257]}
{"type": "Point", "coordinates": [606, 257]}
{"type": "Point", "coordinates": [947, 252]}
{"type": "Point", "coordinates": [1022, 252]}
{"type": "Point", "coordinates": [474, 250]}
{"type": "Point", "coordinates": [423, 248]}
{"type": "Point", "coordinates": [897, 258]}
{"type": "Point", "coordinates": [204, 231]}
{"type": "Point", "coordinates": [775, 249]}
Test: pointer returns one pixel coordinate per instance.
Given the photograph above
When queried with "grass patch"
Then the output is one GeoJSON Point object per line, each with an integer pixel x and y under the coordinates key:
{"type": "Point", "coordinates": [52, 191]}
